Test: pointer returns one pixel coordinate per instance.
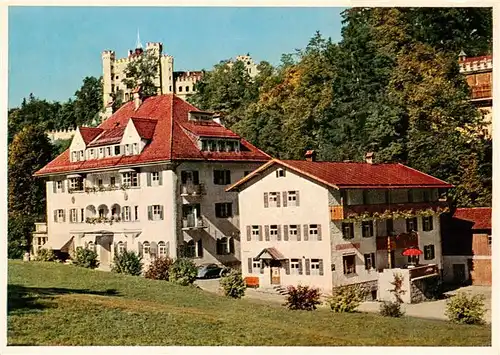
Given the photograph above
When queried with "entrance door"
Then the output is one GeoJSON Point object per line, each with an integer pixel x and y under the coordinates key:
{"type": "Point", "coordinates": [459, 273]}
{"type": "Point", "coordinates": [275, 272]}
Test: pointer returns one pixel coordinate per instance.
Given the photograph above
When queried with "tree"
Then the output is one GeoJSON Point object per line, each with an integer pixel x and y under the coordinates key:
{"type": "Point", "coordinates": [29, 151]}
{"type": "Point", "coordinates": [88, 102]}
{"type": "Point", "coordinates": [142, 72]}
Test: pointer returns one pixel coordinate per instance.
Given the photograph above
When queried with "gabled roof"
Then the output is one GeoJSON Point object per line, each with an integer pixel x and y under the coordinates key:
{"type": "Point", "coordinates": [343, 175]}
{"type": "Point", "coordinates": [480, 216]}
{"type": "Point", "coordinates": [110, 136]}
{"type": "Point", "coordinates": [89, 133]}
{"type": "Point", "coordinates": [169, 139]}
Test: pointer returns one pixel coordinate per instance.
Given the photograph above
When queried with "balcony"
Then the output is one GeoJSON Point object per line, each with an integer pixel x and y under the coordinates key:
{"type": "Point", "coordinates": [481, 92]}
{"type": "Point", "coordinates": [191, 190]}
{"type": "Point", "coordinates": [342, 212]}
{"type": "Point", "coordinates": [423, 271]}
{"type": "Point", "coordinates": [41, 227]}
{"type": "Point", "coordinates": [192, 222]}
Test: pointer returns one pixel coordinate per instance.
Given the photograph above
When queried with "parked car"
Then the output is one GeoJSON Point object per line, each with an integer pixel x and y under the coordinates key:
{"type": "Point", "coordinates": [209, 271]}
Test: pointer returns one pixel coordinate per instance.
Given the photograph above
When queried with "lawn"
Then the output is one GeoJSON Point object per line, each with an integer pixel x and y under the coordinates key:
{"type": "Point", "coordinates": [54, 304]}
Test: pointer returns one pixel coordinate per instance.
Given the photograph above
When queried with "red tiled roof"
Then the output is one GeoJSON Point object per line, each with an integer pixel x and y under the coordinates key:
{"type": "Point", "coordinates": [356, 175]}
{"type": "Point", "coordinates": [111, 136]}
{"type": "Point", "coordinates": [481, 216]}
{"type": "Point", "coordinates": [169, 140]}
{"type": "Point", "coordinates": [476, 59]}
{"type": "Point", "coordinates": [209, 129]}
{"type": "Point", "coordinates": [89, 133]}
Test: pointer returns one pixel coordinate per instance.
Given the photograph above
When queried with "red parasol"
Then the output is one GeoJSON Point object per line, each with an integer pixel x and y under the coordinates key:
{"type": "Point", "coordinates": [412, 252]}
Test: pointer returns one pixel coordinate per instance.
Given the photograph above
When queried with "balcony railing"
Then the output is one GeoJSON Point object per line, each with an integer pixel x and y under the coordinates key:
{"type": "Point", "coordinates": [422, 271]}
{"type": "Point", "coordinates": [190, 222]}
{"type": "Point", "coordinates": [41, 227]}
{"type": "Point", "coordinates": [191, 190]}
{"type": "Point", "coordinates": [481, 91]}
{"type": "Point", "coordinates": [343, 212]}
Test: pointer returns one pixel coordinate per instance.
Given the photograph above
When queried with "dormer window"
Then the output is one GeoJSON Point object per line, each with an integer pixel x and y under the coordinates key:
{"type": "Point", "coordinates": [74, 156]}
{"type": "Point", "coordinates": [117, 150]}
{"type": "Point", "coordinates": [108, 151]}
{"type": "Point", "coordinates": [135, 148]}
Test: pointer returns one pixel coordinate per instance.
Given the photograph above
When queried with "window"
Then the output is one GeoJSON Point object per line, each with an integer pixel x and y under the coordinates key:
{"type": "Point", "coordinates": [180, 88]}
{"type": "Point", "coordinates": [101, 152]}
{"type": "Point", "coordinates": [367, 229]}
{"type": "Point", "coordinates": [73, 156]}
{"type": "Point", "coordinates": [162, 249]}
{"type": "Point", "coordinates": [255, 232]}
{"type": "Point", "coordinates": [222, 177]}
{"type": "Point", "coordinates": [81, 154]}
{"type": "Point", "coordinates": [156, 212]}
{"type": "Point", "coordinates": [76, 184]}
{"type": "Point", "coordinates": [426, 195]}
{"type": "Point", "coordinates": [126, 213]}
{"type": "Point", "coordinates": [127, 149]}
{"type": "Point", "coordinates": [370, 261]}
{"type": "Point", "coordinates": [292, 198]}
{"type": "Point", "coordinates": [99, 182]}
{"type": "Point", "coordinates": [273, 231]}
{"type": "Point", "coordinates": [146, 248]}
{"type": "Point", "coordinates": [294, 266]}
{"type": "Point", "coordinates": [72, 216]}
{"type": "Point", "coordinates": [59, 216]}
{"type": "Point", "coordinates": [59, 186]}
{"type": "Point", "coordinates": [112, 181]}
{"type": "Point", "coordinates": [389, 226]}
{"type": "Point", "coordinates": [313, 232]}
{"type": "Point", "coordinates": [315, 265]}
{"type": "Point", "coordinates": [256, 265]}
{"type": "Point", "coordinates": [187, 88]}
{"type": "Point", "coordinates": [108, 151]}
{"type": "Point", "coordinates": [190, 249]}
{"type": "Point", "coordinates": [489, 240]}
{"type": "Point", "coordinates": [130, 179]}
{"type": "Point", "coordinates": [117, 150]}
{"type": "Point", "coordinates": [91, 153]}
{"type": "Point", "coordinates": [136, 213]}
{"type": "Point", "coordinates": [280, 173]}
{"type": "Point", "coordinates": [349, 264]}
{"type": "Point", "coordinates": [223, 210]}
{"type": "Point", "coordinates": [273, 199]}
{"type": "Point", "coordinates": [222, 246]}
{"type": "Point", "coordinates": [293, 231]}
{"type": "Point", "coordinates": [429, 253]}
{"type": "Point", "coordinates": [411, 224]}
{"type": "Point", "coordinates": [155, 178]}
{"type": "Point", "coordinates": [135, 149]}
{"type": "Point", "coordinates": [347, 230]}
{"type": "Point", "coordinates": [212, 146]}
{"type": "Point", "coordinates": [427, 223]}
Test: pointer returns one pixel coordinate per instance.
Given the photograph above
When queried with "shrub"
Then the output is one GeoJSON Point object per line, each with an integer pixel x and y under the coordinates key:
{"type": "Point", "coordinates": [391, 309]}
{"type": "Point", "coordinates": [127, 262]}
{"type": "Point", "coordinates": [85, 258]}
{"type": "Point", "coordinates": [346, 298]}
{"type": "Point", "coordinates": [183, 272]}
{"type": "Point", "coordinates": [233, 284]}
{"type": "Point", "coordinates": [159, 269]}
{"type": "Point", "coordinates": [45, 255]}
{"type": "Point", "coordinates": [302, 298]}
{"type": "Point", "coordinates": [464, 309]}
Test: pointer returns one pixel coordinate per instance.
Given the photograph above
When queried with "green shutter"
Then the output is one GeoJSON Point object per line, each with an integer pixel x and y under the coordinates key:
{"type": "Point", "coordinates": [161, 212]}
{"type": "Point", "coordinates": [298, 232]}
{"type": "Point", "coordinates": [278, 199]}
{"type": "Point", "coordinates": [266, 200]}
{"type": "Point", "coordinates": [319, 233]}
{"type": "Point", "coordinates": [150, 213]}
{"type": "Point", "coordinates": [297, 203]}
{"type": "Point", "coordinates": [287, 266]}
{"type": "Point", "coordinates": [321, 272]}
{"type": "Point", "coordinates": [285, 233]}
{"type": "Point", "coordinates": [306, 232]}
{"type": "Point", "coordinates": [148, 178]}
{"type": "Point", "coordinates": [284, 198]}
{"type": "Point", "coordinates": [249, 265]}
{"type": "Point", "coordinates": [160, 176]}
{"type": "Point", "coordinates": [300, 267]}
{"type": "Point", "coordinates": [278, 237]}
{"type": "Point", "coordinates": [308, 267]}
{"type": "Point", "coordinates": [266, 228]}
{"type": "Point", "coordinates": [54, 186]}
{"type": "Point", "coordinates": [249, 233]}
{"type": "Point", "coordinates": [62, 185]}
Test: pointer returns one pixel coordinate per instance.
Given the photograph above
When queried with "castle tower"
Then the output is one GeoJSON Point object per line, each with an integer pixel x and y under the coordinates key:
{"type": "Point", "coordinates": [108, 61]}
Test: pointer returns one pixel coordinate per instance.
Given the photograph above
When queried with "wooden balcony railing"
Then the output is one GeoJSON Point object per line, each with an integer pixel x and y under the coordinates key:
{"type": "Point", "coordinates": [424, 270]}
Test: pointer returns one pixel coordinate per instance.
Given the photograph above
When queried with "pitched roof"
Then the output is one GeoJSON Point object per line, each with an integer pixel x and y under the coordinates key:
{"type": "Point", "coordinates": [343, 175]}
{"type": "Point", "coordinates": [110, 136]}
{"type": "Point", "coordinates": [480, 216]}
{"type": "Point", "coordinates": [163, 118]}
{"type": "Point", "coordinates": [89, 133]}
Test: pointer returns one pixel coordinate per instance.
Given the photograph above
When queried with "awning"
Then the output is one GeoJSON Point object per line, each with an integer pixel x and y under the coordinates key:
{"type": "Point", "coordinates": [127, 170]}
{"type": "Point", "coordinates": [70, 176]}
{"type": "Point", "coordinates": [270, 254]}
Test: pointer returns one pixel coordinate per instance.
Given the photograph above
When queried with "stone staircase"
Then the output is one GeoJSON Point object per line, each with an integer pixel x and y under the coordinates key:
{"type": "Point", "coordinates": [275, 290]}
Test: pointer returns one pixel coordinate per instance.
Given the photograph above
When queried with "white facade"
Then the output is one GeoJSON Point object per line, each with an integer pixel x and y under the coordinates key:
{"type": "Point", "coordinates": [342, 259]}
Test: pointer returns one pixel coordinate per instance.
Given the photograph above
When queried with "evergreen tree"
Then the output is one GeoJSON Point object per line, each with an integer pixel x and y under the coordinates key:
{"type": "Point", "coordinates": [142, 72]}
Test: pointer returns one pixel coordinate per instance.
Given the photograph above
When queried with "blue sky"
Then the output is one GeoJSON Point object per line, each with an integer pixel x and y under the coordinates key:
{"type": "Point", "coordinates": [51, 49]}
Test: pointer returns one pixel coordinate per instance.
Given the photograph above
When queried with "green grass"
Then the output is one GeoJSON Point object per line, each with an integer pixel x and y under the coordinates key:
{"type": "Point", "coordinates": [54, 304]}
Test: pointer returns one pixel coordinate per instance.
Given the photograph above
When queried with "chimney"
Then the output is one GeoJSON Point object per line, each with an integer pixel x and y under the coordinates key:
{"type": "Point", "coordinates": [137, 97]}
{"type": "Point", "coordinates": [310, 155]}
{"type": "Point", "coordinates": [108, 111]}
{"type": "Point", "coordinates": [369, 157]}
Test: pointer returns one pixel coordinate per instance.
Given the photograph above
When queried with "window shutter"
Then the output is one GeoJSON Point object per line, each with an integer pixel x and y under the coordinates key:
{"type": "Point", "coordinates": [321, 272]}
{"type": "Point", "coordinates": [373, 261]}
{"type": "Point", "coordinates": [308, 267]}
{"type": "Point", "coordinates": [249, 233]}
{"type": "Point", "coordinates": [371, 229]}
{"type": "Point", "coordinates": [298, 232]}
{"type": "Point", "coordinates": [278, 236]}
{"type": "Point", "coordinates": [64, 215]}
{"type": "Point", "coordinates": [160, 181]}
{"type": "Point", "coordinates": [267, 233]}
{"type": "Point", "coordinates": [150, 213]}
{"type": "Point", "coordinates": [285, 233]}
{"type": "Point", "coordinates": [228, 176]}
{"type": "Point", "coordinates": [250, 265]}
{"type": "Point", "coordinates": [366, 261]}
{"type": "Point", "coordinates": [266, 200]}
{"type": "Point", "coordinates": [260, 234]}
{"type": "Point", "coordinates": [431, 223]}
{"type": "Point", "coordinates": [200, 249]}
{"type": "Point", "coordinates": [297, 203]}
{"type": "Point", "coordinates": [196, 177]}
{"type": "Point", "coordinates": [70, 219]}
{"type": "Point", "coordinates": [306, 232]}
{"type": "Point", "coordinates": [139, 248]}
{"type": "Point", "coordinates": [261, 267]}
{"type": "Point", "coordinates": [161, 212]}
{"type": "Point", "coordinates": [300, 267]}
{"type": "Point", "coordinates": [54, 186]}
{"type": "Point", "coordinates": [284, 198]}
{"type": "Point", "coordinates": [230, 210]}
{"type": "Point", "coordinates": [149, 178]}
{"type": "Point", "coordinates": [125, 245]}
{"type": "Point", "coordinates": [62, 185]}
{"type": "Point", "coordinates": [82, 215]}
{"type": "Point", "coordinates": [183, 177]}
{"type": "Point", "coordinates": [319, 233]}
{"type": "Point", "coordinates": [278, 199]}
{"type": "Point", "coordinates": [231, 246]}
{"type": "Point", "coordinates": [287, 266]}
{"type": "Point", "coordinates": [55, 215]}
